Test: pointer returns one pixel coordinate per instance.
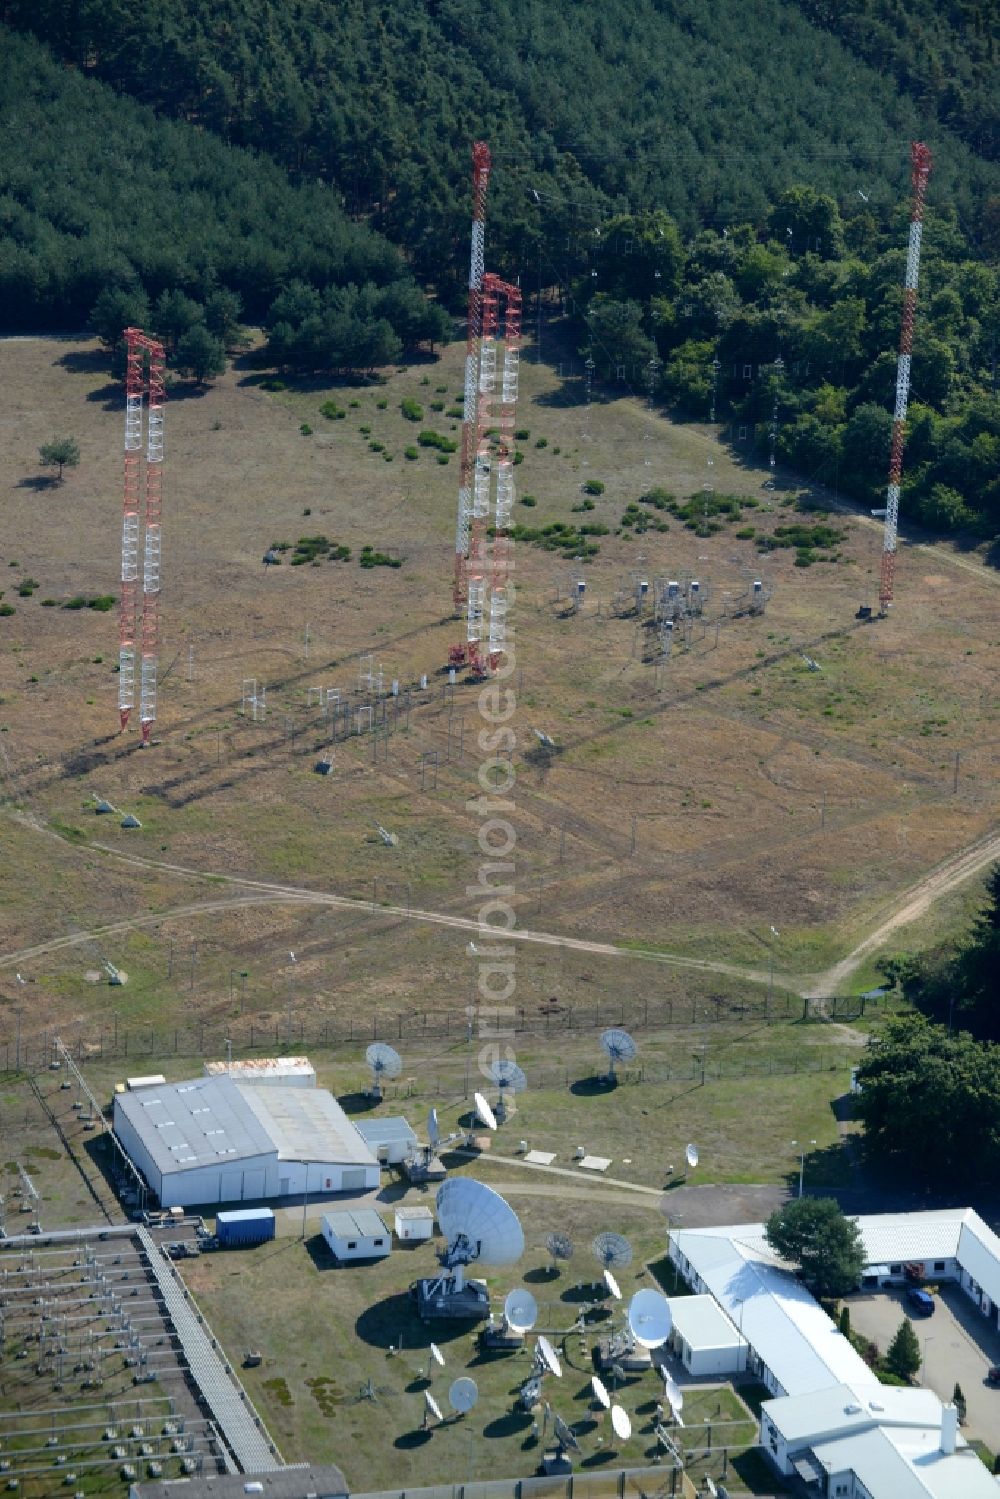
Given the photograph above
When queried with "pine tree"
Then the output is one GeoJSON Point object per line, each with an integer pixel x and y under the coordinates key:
{"type": "Point", "coordinates": [903, 1356]}
{"type": "Point", "coordinates": [845, 1321]}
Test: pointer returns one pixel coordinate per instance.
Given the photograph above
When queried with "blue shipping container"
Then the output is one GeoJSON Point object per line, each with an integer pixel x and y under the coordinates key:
{"type": "Point", "coordinates": [245, 1226]}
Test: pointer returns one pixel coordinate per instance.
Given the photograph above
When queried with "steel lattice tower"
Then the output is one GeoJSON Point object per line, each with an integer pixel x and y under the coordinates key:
{"type": "Point", "coordinates": [144, 375]}
{"type": "Point", "coordinates": [481, 163]}
{"type": "Point", "coordinates": [920, 158]}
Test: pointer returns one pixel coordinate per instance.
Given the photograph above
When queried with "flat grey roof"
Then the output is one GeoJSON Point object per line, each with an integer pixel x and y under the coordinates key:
{"type": "Point", "coordinates": [282, 1483]}
{"type": "Point", "coordinates": [206, 1122]}
{"type": "Point", "coordinates": [361, 1223]}
{"type": "Point", "coordinates": [306, 1124]}
{"type": "Point", "coordinates": [385, 1131]}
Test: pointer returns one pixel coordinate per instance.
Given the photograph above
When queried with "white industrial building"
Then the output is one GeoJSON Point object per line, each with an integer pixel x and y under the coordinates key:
{"type": "Point", "coordinates": [279, 1072]}
{"type": "Point", "coordinates": [216, 1140]}
{"type": "Point", "coordinates": [703, 1337]}
{"type": "Point", "coordinates": [356, 1234]}
{"type": "Point", "coordinates": [832, 1423]}
{"type": "Point", "coordinates": [391, 1139]}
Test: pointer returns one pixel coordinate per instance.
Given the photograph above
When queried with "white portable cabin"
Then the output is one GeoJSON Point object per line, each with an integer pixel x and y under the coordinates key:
{"type": "Point", "coordinates": [153, 1080]}
{"type": "Point", "coordinates": [356, 1235]}
{"type": "Point", "coordinates": [279, 1072]}
{"type": "Point", "coordinates": [413, 1223]}
{"type": "Point", "coordinates": [390, 1139]}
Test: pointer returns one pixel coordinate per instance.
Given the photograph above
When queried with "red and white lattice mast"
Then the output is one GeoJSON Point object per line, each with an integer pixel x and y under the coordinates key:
{"type": "Point", "coordinates": [502, 417]}
{"type": "Point", "coordinates": [920, 158]}
{"type": "Point", "coordinates": [144, 374]}
{"type": "Point", "coordinates": [481, 163]}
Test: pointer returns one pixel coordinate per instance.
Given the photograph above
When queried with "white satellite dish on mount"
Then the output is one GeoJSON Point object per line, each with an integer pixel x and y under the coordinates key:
{"type": "Point", "coordinates": [649, 1319]}
{"type": "Point", "coordinates": [549, 1357]}
{"type": "Point", "coordinates": [431, 1405]}
{"type": "Point", "coordinates": [675, 1398]}
{"type": "Point", "coordinates": [612, 1285]}
{"type": "Point", "coordinates": [433, 1129]}
{"type": "Point", "coordinates": [621, 1423]}
{"type": "Point", "coordinates": [463, 1395]}
{"type": "Point", "coordinates": [520, 1310]}
{"type": "Point", "coordinates": [691, 1156]}
{"type": "Point", "coordinates": [437, 1355]}
{"type": "Point", "coordinates": [600, 1393]}
{"type": "Point", "coordinates": [484, 1111]}
{"type": "Point", "coordinates": [477, 1224]}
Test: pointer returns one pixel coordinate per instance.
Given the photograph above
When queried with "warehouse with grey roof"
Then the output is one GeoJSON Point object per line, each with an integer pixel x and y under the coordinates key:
{"type": "Point", "coordinates": [214, 1140]}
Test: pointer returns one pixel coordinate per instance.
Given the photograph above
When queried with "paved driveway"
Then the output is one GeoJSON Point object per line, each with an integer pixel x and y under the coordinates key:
{"type": "Point", "coordinates": [957, 1342]}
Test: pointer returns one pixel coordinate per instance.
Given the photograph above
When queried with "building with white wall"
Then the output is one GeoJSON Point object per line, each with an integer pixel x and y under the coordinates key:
{"type": "Point", "coordinates": [704, 1338]}
{"type": "Point", "coordinates": [216, 1140]}
{"type": "Point", "coordinates": [356, 1234]}
{"type": "Point", "coordinates": [832, 1423]}
{"type": "Point", "coordinates": [389, 1137]}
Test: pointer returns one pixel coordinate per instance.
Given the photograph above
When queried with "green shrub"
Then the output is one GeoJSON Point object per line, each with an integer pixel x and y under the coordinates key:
{"type": "Point", "coordinates": [103, 603]}
{"type": "Point", "coordinates": [529, 500]}
{"type": "Point", "coordinates": [76, 602]}
{"type": "Point", "coordinates": [412, 410]}
{"type": "Point", "coordinates": [332, 411]}
{"type": "Point", "coordinates": [376, 447]}
{"type": "Point", "coordinates": [518, 457]}
{"type": "Point", "coordinates": [436, 406]}
{"type": "Point", "coordinates": [381, 405]}
{"type": "Point", "coordinates": [7, 610]}
{"type": "Point", "coordinates": [365, 431]}
{"type": "Point", "coordinates": [442, 457]}
{"type": "Point", "coordinates": [745, 533]}
{"type": "Point", "coordinates": [370, 558]}
{"type": "Point", "coordinates": [456, 413]}
{"type": "Point", "coordinates": [660, 499]}
{"type": "Point", "coordinates": [273, 383]}
{"type": "Point", "coordinates": [412, 454]}
{"type": "Point", "coordinates": [431, 439]}
{"type": "Point", "coordinates": [592, 486]}
{"type": "Point", "coordinates": [47, 603]}
{"type": "Point", "coordinates": [305, 429]}
{"type": "Point", "coordinates": [522, 434]}
{"type": "Point", "coordinates": [541, 442]}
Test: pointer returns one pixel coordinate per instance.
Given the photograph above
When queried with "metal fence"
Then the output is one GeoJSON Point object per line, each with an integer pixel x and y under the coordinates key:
{"type": "Point", "coordinates": [245, 1035]}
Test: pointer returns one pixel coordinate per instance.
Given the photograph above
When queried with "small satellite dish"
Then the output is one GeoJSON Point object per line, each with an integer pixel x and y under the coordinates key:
{"type": "Point", "coordinates": [437, 1355]}
{"type": "Point", "coordinates": [383, 1060]}
{"type": "Point", "coordinates": [544, 739]}
{"type": "Point", "coordinates": [611, 1250]}
{"type": "Point", "coordinates": [484, 1111]}
{"type": "Point", "coordinates": [600, 1393]}
{"type": "Point", "coordinates": [612, 1285]}
{"type": "Point", "coordinates": [675, 1395]}
{"type": "Point", "coordinates": [550, 1357]}
{"type": "Point", "coordinates": [509, 1077]}
{"type": "Point", "coordinates": [463, 1395]}
{"type": "Point", "coordinates": [560, 1247]}
{"type": "Point", "coordinates": [520, 1309]}
{"type": "Point", "coordinates": [565, 1435]}
{"type": "Point", "coordinates": [431, 1404]}
{"type": "Point", "coordinates": [433, 1128]}
{"type": "Point", "coordinates": [477, 1223]}
{"type": "Point", "coordinates": [619, 1047]}
{"type": "Point", "coordinates": [621, 1423]}
{"type": "Point", "coordinates": [649, 1318]}
{"type": "Point", "coordinates": [691, 1156]}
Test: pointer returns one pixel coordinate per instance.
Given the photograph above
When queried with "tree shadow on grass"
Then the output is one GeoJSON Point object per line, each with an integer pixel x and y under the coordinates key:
{"type": "Point", "coordinates": [40, 483]}
{"type": "Point", "coordinates": [84, 361]}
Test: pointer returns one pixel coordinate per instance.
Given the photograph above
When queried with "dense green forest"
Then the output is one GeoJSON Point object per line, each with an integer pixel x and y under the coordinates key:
{"type": "Point", "coordinates": [943, 52]}
{"type": "Point", "coordinates": [930, 1081]}
{"type": "Point", "coordinates": [95, 192]}
{"type": "Point", "coordinates": [708, 112]}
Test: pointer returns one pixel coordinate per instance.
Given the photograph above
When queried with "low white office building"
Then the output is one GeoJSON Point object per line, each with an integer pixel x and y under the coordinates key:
{"type": "Point", "coordinates": [356, 1234]}
{"type": "Point", "coordinates": [391, 1138]}
{"type": "Point", "coordinates": [832, 1423]}
{"type": "Point", "coordinates": [215, 1140]}
{"type": "Point", "coordinates": [414, 1223]}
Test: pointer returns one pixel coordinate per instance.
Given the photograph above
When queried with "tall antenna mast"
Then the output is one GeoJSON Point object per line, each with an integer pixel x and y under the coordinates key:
{"type": "Point", "coordinates": [920, 158]}
{"type": "Point", "coordinates": [481, 163]}
{"type": "Point", "coordinates": [140, 352]}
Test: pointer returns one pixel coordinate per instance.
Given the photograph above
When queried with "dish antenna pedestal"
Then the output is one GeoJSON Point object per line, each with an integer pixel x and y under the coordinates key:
{"type": "Point", "coordinates": [385, 1062]}
{"type": "Point", "coordinates": [520, 1313]}
{"type": "Point", "coordinates": [478, 1226]}
{"type": "Point", "coordinates": [618, 1047]}
{"type": "Point", "coordinates": [510, 1080]}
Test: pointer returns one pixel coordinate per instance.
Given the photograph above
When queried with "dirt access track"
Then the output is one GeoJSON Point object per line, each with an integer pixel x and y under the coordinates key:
{"type": "Point", "coordinates": [688, 808]}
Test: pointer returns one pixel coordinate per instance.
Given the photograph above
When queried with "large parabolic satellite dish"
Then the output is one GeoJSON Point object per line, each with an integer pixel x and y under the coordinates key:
{"type": "Point", "coordinates": [649, 1318]}
{"type": "Point", "coordinates": [619, 1046]}
{"type": "Point", "coordinates": [520, 1309]}
{"type": "Point", "coordinates": [384, 1062]}
{"type": "Point", "coordinates": [477, 1224]}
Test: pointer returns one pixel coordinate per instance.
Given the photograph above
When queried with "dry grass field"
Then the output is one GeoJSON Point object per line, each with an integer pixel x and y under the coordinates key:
{"type": "Point", "coordinates": [686, 811]}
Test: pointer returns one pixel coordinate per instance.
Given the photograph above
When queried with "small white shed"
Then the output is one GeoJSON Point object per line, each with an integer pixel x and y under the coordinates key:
{"type": "Point", "coordinates": [703, 1337]}
{"type": "Point", "coordinates": [390, 1139]}
{"type": "Point", "coordinates": [413, 1223]}
{"type": "Point", "coordinates": [357, 1234]}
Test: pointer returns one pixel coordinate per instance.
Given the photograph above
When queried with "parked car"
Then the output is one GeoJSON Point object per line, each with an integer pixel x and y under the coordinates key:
{"type": "Point", "coordinates": [921, 1301]}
